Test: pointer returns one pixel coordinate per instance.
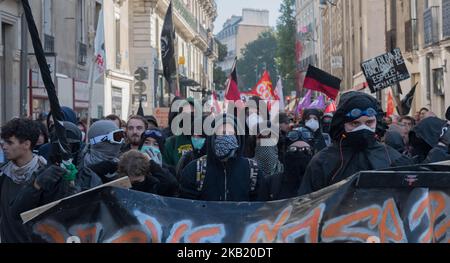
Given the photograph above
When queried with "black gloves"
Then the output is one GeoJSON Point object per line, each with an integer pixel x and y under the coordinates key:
{"type": "Point", "coordinates": [49, 178]}
{"type": "Point", "coordinates": [106, 170]}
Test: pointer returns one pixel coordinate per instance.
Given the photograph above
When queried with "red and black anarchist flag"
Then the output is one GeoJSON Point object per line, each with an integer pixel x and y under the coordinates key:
{"type": "Point", "coordinates": [321, 81]}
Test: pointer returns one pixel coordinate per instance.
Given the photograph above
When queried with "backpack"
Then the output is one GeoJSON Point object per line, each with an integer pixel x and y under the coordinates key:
{"type": "Point", "coordinates": [201, 173]}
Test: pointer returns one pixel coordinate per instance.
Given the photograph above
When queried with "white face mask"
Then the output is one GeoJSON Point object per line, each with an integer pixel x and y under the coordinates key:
{"type": "Point", "coordinates": [313, 125]}
{"type": "Point", "coordinates": [363, 127]}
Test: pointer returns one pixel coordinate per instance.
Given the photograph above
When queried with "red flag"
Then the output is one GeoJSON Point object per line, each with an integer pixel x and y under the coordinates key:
{"type": "Point", "coordinates": [232, 92]}
{"type": "Point", "coordinates": [264, 88]}
{"type": "Point", "coordinates": [390, 104]}
{"type": "Point", "coordinates": [331, 107]}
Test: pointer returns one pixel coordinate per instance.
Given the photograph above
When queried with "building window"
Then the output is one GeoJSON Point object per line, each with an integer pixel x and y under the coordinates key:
{"type": "Point", "coordinates": [81, 15]}
{"type": "Point", "coordinates": [117, 37]}
{"type": "Point", "coordinates": [81, 41]}
{"type": "Point", "coordinates": [438, 81]}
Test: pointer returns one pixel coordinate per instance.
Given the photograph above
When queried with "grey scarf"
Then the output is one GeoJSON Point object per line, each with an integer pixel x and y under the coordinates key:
{"type": "Point", "coordinates": [23, 175]}
{"type": "Point", "coordinates": [267, 158]}
{"type": "Point", "coordinates": [101, 152]}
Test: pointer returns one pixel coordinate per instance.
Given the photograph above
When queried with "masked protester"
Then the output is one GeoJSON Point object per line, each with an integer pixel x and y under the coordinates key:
{"type": "Point", "coordinates": [430, 140]}
{"type": "Point", "coordinates": [198, 150]}
{"type": "Point", "coordinates": [152, 145]}
{"type": "Point", "coordinates": [178, 145]}
{"type": "Point", "coordinates": [285, 127]}
{"type": "Point", "coordinates": [326, 122]}
{"type": "Point", "coordinates": [311, 121]}
{"type": "Point", "coordinates": [101, 155]}
{"type": "Point", "coordinates": [224, 174]}
{"type": "Point", "coordinates": [286, 185]}
{"type": "Point", "coordinates": [355, 147]}
{"type": "Point", "coordinates": [266, 154]}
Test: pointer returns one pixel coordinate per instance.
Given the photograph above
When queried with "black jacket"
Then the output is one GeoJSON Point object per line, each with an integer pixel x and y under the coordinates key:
{"type": "Point", "coordinates": [328, 168]}
{"type": "Point", "coordinates": [160, 182]}
{"type": "Point", "coordinates": [228, 181]}
{"type": "Point", "coordinates": [18, 198]}
{"type": "Point", "coordinates": [424, 138]}
{"type": "Point", "coordinates": [187, 159]}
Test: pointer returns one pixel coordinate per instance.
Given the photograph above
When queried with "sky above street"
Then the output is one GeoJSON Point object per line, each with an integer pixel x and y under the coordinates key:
{"type": "Point", "coordinates": [227, 8]}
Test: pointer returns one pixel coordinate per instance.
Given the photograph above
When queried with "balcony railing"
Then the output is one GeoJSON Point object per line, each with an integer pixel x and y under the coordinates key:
{"type": "Point", "coordinates": [431, 25]}
{"type": "Point", "coordinates": [82, 53]}
{"type": "Point", "coordinates": [49, 44]}
{"type": "Point", "coordinates": [446, 18]}
{"type": "Point", "coordinates": [411, 35]}
{"type": "Point", "coordinates": [186, 14]}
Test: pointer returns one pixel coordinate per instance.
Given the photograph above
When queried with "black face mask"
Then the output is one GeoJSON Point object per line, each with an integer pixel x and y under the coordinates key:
{"type": "Point", "coordinates": [326, 127]}
{"type": "Point", "coordinates": [296, 163]}
{"type": "Point", "coordinates": [360, 140]}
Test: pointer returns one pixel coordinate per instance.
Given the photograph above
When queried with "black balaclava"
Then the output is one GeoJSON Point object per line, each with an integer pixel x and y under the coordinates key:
{"type": "Point", "coordinates": [359, 140]}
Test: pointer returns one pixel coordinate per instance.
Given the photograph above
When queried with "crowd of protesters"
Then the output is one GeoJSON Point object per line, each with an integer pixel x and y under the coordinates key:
{"type": "Point", "coordinates": [312, 151]}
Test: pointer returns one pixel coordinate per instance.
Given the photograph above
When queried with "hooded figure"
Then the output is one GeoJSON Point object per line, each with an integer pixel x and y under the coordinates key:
{"type": "Point", "coordinates": [224, 174]}
{"type": "Point", "coordinates": [198, 150]}
{"type": "Point", "coordinates": [424, 139]}
{"type": "Point", "coordinates": [297, 157]}
{"type": "Point", "coordinates": [355, 147]}
{"type": "Point", "coordinates": [311, 120]}
{"type": "Point", "coordinates": [69, 117]}
{"type": "Point", "coordinates": [101, 155]}
{"type": "Point", "coordinates": [395, 140]}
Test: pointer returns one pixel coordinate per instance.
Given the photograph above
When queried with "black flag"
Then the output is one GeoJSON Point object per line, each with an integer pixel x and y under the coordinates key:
{"type": "Point", "coordinates": [58, 117]}
{"type": "Point", "coordinates": [140, 111]}
{"type": "Point", "coordinates": [167, 46]}
{"type": "Point", "coordinates": [407, 101]}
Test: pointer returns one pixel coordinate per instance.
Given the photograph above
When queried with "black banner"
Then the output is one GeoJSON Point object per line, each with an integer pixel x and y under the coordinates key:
{"type": "Point", "coordinates": [385, 70]}
{"type": "Point", "coordinates": [404, 206]}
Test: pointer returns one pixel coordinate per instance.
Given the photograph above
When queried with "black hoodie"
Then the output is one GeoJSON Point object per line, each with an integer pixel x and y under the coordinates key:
{"type": "Point", "coordinates": [228, 181]}
{"type": "Point", "coordinates": [340, 161]}
{"type": "Point", "coordinates": [424, 138]}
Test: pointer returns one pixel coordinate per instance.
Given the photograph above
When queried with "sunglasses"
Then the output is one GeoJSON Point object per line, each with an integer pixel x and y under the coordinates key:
{"type": "Point", "coordinates": [294, 149]}
{"type": "Point", "coordinates": [115, 137]}
{"type": "Point", "coordinates": [357, 113]}
{"type": "Point", "coordinates": [152, 133]}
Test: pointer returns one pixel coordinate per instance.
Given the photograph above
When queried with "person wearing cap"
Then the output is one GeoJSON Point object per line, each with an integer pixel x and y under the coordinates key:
{"type": "Point", "coordinates": [224, 174]}
{"type": "Point", "coordinates": [101, 155]}
{"type": "Point", "coordinates": [355, 146]}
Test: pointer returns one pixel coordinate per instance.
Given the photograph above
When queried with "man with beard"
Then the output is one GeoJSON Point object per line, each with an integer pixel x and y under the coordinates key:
{"type": "Point", "coordinates": [136, 125]}
{"type": "Point", "coordinates": [355, 147]}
